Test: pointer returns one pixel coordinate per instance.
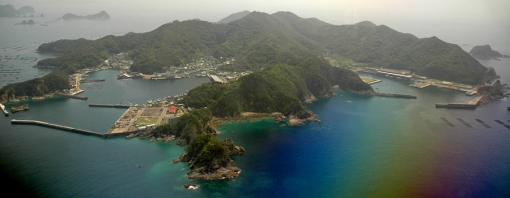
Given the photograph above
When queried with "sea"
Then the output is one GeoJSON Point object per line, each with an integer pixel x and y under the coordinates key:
{"type": "Point", "coordinates": [364, 147]}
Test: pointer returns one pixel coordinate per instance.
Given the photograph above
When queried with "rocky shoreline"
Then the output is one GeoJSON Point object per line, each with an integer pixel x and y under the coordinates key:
{"type": "Point", "coordinates": [219, 167]}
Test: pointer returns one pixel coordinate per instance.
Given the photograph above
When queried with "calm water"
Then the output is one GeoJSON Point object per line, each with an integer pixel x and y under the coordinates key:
{"type": "Point", "coordinates": [365, 147]}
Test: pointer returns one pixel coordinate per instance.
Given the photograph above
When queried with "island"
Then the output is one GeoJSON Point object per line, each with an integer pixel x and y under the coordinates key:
{"type": "Point", "coordinates": [9, 11]}
{"type": "Point", "coordinates": [24, 22]}
{"type": "Point", "coordinates": [99, 16]}
{"type": "Point", "coordinates": [486, 52]}
{"type": "Point", "coordinates": [209, 159]}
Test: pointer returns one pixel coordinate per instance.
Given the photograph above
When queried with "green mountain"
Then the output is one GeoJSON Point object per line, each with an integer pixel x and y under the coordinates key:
{"type": "Point", "coordinates": [381, 46]}
{"type": "Point", "coordinates": [260, 39]}
{"type": "Point", "coordinates": [234, 17]}
{"type": "Point", "coordinates": [292, 45]}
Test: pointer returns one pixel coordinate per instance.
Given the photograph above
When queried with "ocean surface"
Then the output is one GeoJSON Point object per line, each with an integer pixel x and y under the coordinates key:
{"type": "Point", "coordinates": [365, 147]}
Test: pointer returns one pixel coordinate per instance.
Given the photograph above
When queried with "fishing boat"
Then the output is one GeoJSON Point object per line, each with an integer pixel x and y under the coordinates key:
{"type": "Point", "coordinates": [2, 107]}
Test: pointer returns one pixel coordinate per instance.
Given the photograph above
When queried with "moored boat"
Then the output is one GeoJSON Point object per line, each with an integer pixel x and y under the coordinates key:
{"type": "Point", "coordinates": [2, 107]}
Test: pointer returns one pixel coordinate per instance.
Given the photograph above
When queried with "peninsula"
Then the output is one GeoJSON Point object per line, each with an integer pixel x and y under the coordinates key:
{"type": "Point", "coordinates": [99, 16]}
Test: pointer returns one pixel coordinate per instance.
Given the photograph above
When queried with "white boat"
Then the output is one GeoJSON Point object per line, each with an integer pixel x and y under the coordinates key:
{"type": "Point", "coordinates": [2, 107]}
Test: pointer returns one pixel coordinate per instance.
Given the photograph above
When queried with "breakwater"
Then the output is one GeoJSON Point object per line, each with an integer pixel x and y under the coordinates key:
{"type": "Point", "coordinates": [110, 105]}
{"type": "Point", "coordinates": [92, 80]}
{"type": "Point", "coordinates": [71, 129]}
{"type": "Point", "coordinates": [393, 95]}
{"type": "Point", "coordinates": [456, 105]}
{"type": "Point", "coordinates": [73, 96]}
{"type": "Point", "coordinates": [470, 105]}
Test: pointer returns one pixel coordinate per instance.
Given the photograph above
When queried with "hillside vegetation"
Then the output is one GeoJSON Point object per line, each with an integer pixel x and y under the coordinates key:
{"type": "Point", "coordinates": [261, 39]}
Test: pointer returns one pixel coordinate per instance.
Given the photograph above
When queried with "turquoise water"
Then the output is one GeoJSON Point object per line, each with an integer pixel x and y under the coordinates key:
{"type": "Point", "coordinates": [365, 147]}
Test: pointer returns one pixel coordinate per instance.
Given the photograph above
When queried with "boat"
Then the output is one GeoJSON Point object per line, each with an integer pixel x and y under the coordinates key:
{"type": "Point", "coordinates": [149, 101]}
{"type": "Point", "coordinates": [2, 107]}
{"type": "Point", "coordinates": [20, 108]}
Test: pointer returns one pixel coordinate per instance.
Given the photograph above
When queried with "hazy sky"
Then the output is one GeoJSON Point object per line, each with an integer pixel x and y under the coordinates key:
{"type": "Point", "coordinates": [423, 18]}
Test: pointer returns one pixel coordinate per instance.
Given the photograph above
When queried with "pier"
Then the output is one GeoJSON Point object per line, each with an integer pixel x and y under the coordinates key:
{"type": "Point", "coordinates": [70, 129]}
{"type": "Point", "coordinates": [110, 105]}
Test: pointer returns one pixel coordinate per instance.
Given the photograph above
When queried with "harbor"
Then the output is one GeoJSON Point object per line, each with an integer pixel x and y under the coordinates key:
{"type": "Point", "coordinates": [142, 117]}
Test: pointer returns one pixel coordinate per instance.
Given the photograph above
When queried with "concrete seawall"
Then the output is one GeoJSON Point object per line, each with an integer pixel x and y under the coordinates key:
{"type": "Point", "coordinates": [393, 95]}
{"type": "Point", "coordinates": [70, 129]}
{"type": "Point", "coordinates": [73, 96]}
{"type": "Point", "coordinates": [110, 105]}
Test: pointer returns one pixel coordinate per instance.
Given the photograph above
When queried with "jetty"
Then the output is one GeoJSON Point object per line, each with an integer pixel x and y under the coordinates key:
{"type": "Point", "coordinates": [110, 105]}
{"type": "Point", "coordinates": [73, 96]}
{"type": "Point", "coordinates": [70, 129]}
{"type": "Point", "coordinates": [91, 80]}
{"type": "Point", "coordinates": [470, 105]}
{"type": "Point", "coordinates": [394, 95]}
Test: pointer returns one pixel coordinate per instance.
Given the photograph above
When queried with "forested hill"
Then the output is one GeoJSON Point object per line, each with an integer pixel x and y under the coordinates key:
{"type": "Point", "coordinates": [263, 39]}
{"type": "Point", "coordinates": [381, 46]}
{"type": "Point", "coordinates": [234, 17]}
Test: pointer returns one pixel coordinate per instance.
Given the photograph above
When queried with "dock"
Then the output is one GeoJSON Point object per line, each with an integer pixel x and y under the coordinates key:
{"type": "Point", "coordinates": [110, 105]}
{"type": "Point", "coordinates": [70, 129]}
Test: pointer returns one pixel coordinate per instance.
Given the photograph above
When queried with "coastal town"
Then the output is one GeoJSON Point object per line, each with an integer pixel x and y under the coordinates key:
{"type": "Point", "coordinates": [140, 117]}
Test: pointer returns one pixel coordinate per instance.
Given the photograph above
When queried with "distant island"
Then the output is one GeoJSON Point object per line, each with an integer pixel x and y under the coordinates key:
{"type": "Point", "coordinates": [9, 11]}
{"type": "Point", "coordinates": [485, 52]}
{"type": "Point", "coordinates": [24, 22]}
{"type": "Point", "coordinates": [99, 16]}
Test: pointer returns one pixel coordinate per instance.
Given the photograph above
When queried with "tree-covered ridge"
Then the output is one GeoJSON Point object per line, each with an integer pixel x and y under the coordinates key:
{"type": "Point", "coordinates": [381, 46]}
{"type": "Point", "coordinates": [234, 17]}
{"type": "Point", "coordinates": [260, 39]}
{"type": "Point", "coordinates": [280, 88]}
